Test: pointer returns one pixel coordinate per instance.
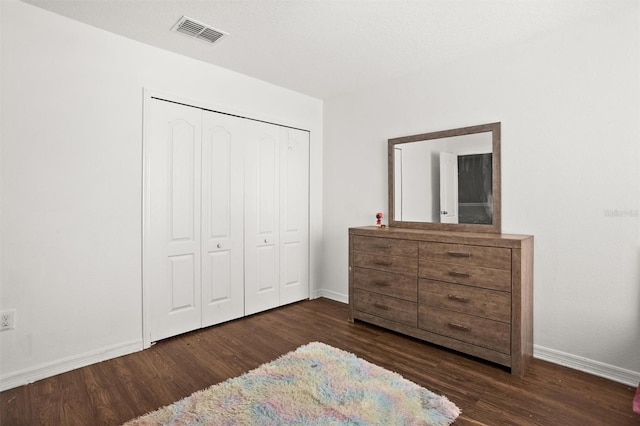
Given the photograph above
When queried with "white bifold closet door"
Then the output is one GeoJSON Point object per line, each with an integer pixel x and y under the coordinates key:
{"type": "Point", "coordinates": [294, 215]}
{"type": "Point", "coordinates": [194, 233]}
{"type": "Point", "coordinates": [222, 218]}
{"type": "Point", "coordinates": [276, 217]}
{"type": "Point", "coordinates": [226, 217]}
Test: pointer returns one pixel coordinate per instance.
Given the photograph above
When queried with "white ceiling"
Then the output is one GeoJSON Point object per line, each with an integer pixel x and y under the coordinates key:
{"type": "Point", "coordinates": [325, 48]}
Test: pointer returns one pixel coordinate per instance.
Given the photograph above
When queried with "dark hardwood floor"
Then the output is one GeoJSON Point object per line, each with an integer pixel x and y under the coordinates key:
{"type": "Point", "coordinates": [114, 391]}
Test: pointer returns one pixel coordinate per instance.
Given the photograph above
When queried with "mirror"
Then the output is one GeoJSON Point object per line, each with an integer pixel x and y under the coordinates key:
{"type": "Point", "coordinates": [446, 180]}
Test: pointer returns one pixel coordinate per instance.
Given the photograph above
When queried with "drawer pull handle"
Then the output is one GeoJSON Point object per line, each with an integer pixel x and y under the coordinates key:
{"type": "Point", "coordinates": [459, 274]}
{"type": "Point", "coordinates": [381, 283]}
{"type": "Point", "coordinates": [382, 262]}
{"type": "Point", "coordinates": [459, 326]}
{"type": "Point", "coordinates": [382, 246]}
{"type": "Point", "coordinates": [458, 298]}
{"type": "Point", "coordinates": [383, 307]}
{"type": "Point", "coordinates": [459, 254]}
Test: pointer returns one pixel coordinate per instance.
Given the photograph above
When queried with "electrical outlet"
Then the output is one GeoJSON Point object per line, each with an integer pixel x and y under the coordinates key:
{"type": "Point", "coordinates": [8, 320]}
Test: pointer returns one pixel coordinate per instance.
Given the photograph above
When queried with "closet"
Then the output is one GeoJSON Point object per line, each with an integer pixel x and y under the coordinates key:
{"type": "Point", "coordinates": [225, 217]}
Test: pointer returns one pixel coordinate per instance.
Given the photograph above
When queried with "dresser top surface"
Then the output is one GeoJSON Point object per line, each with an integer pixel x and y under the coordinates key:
{"type": "Point", "coordinates": [498, 240]}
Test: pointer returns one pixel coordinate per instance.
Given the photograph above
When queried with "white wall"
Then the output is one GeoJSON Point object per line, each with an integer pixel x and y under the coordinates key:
{"type": "Point", "coordinates": [72, 181]}
{"type": "Point", "coordinates": [569, 103]}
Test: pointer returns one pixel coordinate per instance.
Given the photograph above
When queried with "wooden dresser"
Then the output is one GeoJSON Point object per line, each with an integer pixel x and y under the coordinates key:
{"type": "Point", "coordinates": [471, 292]}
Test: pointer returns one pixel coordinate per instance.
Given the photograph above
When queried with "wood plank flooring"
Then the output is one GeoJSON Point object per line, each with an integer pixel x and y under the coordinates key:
{"type": "Point", "coordinates": [114, 391]}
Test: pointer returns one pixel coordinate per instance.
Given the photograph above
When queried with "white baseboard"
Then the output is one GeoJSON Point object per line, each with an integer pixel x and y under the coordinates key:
{"type": "Point", "coordinates": [315, 294]}
{"type": "Point", "coordinates": [30, 375]}
{"type": "Point", "coordinates": [611, 372]}
{"type": "Point", "coordinates": [333, 295]}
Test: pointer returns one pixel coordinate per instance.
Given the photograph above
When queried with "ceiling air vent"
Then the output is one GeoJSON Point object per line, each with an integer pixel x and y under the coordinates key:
{"type": "Point", "coordinates": [198, 30]}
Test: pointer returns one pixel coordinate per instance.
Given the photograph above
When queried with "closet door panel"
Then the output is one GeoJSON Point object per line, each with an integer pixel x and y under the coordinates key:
{"type": "Point", "coordinates": [266, 274]}
{"type": "Point", "coordinates": [182, 281]}
{"type": "Point", "coordinates": [294, 215]}
{"type": "Point", "coordinates": [222, 218]}
{"type": "Point", "coordinates": [261, 217]}
{"type": "Point", "coordinates": [267, 185]}
{"type": "Point", "coordinates": [172, 239]}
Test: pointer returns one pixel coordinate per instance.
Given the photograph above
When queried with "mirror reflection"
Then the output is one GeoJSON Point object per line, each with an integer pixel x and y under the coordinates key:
{"type": "Point", "coordinates": [447, 180]}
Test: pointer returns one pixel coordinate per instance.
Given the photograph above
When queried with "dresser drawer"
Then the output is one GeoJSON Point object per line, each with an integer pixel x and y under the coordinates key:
{"type": "Point", "coordinates": [388, 283]}
{"type": "Point", "coordinates": [490, 304]}
{"type": "Point", "coordinates": [400, 265]}
{"type": "Point", "coordinates": [478, 331]}
{"type": "Point", "coordinates": [401, 311]}
{"type": "Point", "coordinates": [496, 279]}
{"type": "Point", "coordinates": [468, 255]}
{"type": "Point", "coordinates": [386, 246]}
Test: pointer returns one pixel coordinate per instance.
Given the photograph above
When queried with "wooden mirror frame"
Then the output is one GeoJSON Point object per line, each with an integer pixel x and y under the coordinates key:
{"type": "Point", "coordinates": [496, 225]}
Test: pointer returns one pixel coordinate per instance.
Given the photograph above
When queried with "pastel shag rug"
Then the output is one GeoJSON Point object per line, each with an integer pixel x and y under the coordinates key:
{"type": "Point", "coordinates": [314, 385]}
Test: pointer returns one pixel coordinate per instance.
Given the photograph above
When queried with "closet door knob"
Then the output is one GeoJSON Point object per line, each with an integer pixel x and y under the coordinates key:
{"type": "Point", "coordinates": [219, 245]}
